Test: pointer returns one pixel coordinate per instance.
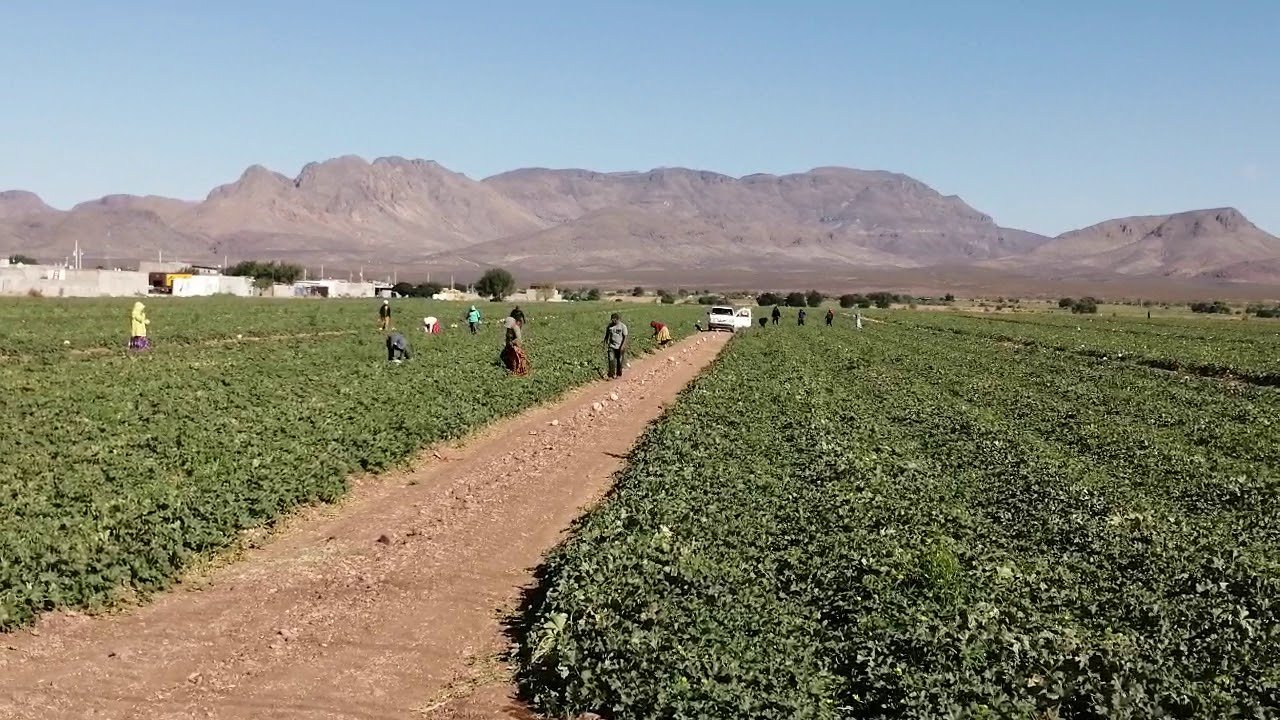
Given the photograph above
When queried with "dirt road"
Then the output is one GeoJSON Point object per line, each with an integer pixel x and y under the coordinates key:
{"type": "Point", "coordinates": [386, 606]}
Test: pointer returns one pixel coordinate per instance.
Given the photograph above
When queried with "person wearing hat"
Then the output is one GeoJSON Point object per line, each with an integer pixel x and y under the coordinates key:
{"type": "Point", "coordinates": [384, 316]}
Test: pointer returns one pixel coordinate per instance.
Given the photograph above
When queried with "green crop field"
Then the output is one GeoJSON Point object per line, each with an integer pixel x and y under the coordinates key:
{"type": "Point", "coordinates": [119, 469]}
{"type": "Point", "coordinates": [1248, 350]}
{"type": "Point", "coordinates": [933, 519]}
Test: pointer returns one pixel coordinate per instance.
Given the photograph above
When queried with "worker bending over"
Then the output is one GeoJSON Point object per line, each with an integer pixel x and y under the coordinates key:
{"type": "Point", "coordinates": [397, 347]}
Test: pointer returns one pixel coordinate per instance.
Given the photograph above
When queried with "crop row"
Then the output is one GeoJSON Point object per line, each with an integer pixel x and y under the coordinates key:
{"type": "Point", "coordinates": [1245, 350]}
{"type": "Point", "coordinates": [119, 469]}
{"type": "Point", "coordinates": [54, 328]}
{"type": "Point", "coordinates": [899, 523]}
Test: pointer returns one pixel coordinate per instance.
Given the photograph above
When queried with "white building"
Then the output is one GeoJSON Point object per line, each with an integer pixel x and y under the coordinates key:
{"type": "Point", "coordinates": [203, 285]}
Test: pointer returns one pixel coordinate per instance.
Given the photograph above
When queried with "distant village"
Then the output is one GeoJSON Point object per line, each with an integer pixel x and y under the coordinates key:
{"type": "Point", "coordinates": [179, 279]}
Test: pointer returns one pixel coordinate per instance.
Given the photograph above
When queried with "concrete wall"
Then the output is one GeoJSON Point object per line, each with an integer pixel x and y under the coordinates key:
{"type": "Point", "coordinates": [61, 282]}
{"type": "Point", "coordinates": [202, 285]}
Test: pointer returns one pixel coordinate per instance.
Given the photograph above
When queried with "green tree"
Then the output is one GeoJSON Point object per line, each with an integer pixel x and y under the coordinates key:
{"type": "Point", "coordinates": [881, 299]}
{"type": "Point", "coordinates": [1085, 306]}
{"type": "Point", "coordinates": [268, 272]}
{"type": "Point", "coordinates": [427, 289]}
{"type": "Point", "coordinates": [20, 259]}
{"type": "Point", "coordinates": [796, 299]}
{"type": "Point", "coordinates": [1066, 302]}
{"type": "Point", "coordinates": [593, 294]}
{"type": "Point", "coordinates": [768, 299]}
{"type": "Point", "coordinates": [403, 289]}
{"type": "Point", "coordinates": [496, 283]}
{"type": "Point", "coordinates": [814, 298]}
{"type": "Point", "coordinates": [637, 291]}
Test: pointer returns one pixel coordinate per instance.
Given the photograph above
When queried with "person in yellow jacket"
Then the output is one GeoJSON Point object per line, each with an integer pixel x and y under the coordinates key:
{"type": "Point", "coordinates": [138, 327]}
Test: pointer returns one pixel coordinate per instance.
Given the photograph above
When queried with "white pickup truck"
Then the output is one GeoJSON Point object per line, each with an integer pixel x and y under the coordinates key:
{"type": "Point", "coordinates": [722, 317]}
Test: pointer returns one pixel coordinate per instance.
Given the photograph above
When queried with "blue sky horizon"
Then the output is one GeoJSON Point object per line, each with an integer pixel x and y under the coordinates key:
{"type": "Point", "coordinates": [1047, 117]}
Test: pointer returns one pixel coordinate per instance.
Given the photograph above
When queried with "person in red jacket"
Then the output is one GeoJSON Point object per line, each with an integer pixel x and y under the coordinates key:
{"type": "Point", "coordinates": [661, 334]}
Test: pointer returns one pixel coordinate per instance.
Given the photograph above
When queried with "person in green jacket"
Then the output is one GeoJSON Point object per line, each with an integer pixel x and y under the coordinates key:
{"type": "Point", "coordinates": [473, 319]}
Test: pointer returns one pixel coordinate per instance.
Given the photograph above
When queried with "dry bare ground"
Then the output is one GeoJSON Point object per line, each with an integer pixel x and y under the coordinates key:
{"type": "Point", "coordinates": [389, 605]}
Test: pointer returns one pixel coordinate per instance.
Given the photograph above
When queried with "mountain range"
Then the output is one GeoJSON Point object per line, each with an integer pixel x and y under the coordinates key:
{"type": "Point", "coordinates": [397, 212]}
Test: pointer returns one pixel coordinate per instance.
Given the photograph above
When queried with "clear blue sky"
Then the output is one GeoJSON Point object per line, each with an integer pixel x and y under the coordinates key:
{"type": "Point", "coordinates": [1047, 115]}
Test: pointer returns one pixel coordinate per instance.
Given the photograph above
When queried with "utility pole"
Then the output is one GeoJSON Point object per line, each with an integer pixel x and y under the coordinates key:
{"type": "Point", "coordinates": [361, 273]}
{"type": "Point", "coordinates": [322, 271]}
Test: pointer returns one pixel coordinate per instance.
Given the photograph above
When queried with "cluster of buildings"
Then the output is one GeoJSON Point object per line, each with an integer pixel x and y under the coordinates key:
{"type": "Point", "coordinates": [183, 280]}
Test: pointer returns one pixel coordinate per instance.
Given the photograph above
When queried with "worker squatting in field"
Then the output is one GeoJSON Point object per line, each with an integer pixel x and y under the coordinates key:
{"type": "Point", "coordinates": [397, 347]}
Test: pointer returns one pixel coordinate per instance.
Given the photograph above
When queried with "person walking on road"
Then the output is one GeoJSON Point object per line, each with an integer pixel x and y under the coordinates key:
{"type": "Point", "coordinates": [473, 319]}
{"type": "Point", "coordinates": [384, 316]}
{"type": "Point", "coordinates": [138, 323]}
{"type": "Point", "coordinates": [615, 345]}
{"type": "Point", "coordinates": [800, 317]}
{"type": "Point", "coordinates": [831, 316]}
{"type": "Point", "coordinates": [777, 315]}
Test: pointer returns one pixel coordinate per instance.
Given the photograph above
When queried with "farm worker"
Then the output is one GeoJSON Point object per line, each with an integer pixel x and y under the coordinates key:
{"type": "Point", "coordinates": [661, 334]}
{"type": "Point", "coordinates": [777, 314]}
{"type": "Point", "coordinates": [831, 316]}
{"type": "Point", "coordinates": [384, 315]}
{"type": "Point", "coordinates": [858, 320]}
{"type": "Point", "coordinates": [800, 317]}
{"type": "Point", "coordinates": [473, 319]}
{"type": "Point", "coordinates": [513, 357]}
{"type": "Point", "coordinates": [615, 345]}
{"type": "Point", "coordinates": [518, 315]}
{"type": "Point", "coordinates": [430, 325]}
{"type": "Point", "coordinates": [397, 347]}
{"type": "Point", "coordinates": [138, 323]}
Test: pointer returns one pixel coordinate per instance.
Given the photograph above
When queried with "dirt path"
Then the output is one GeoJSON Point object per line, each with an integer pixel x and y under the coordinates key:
{"type": "Point", "coordinates": [387, 606]}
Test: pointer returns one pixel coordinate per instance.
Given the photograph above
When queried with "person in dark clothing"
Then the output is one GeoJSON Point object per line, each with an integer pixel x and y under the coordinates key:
{"type": "Point", "coordinates": [615, 345]}
{"type": "Point", "coordinates": [831, 316]}
{"type": "Point", "coordinates": [513, 356]}
{"type": "Point", "coordinates": [800, 317]}
{"type": "Point", "coordinates": [518, 315]}
{"type": "Point", "coordinates": [777, 315]}
{"type": "Point", "coordinates": [384, 315]}
{"type": "Point", "coordinates": [397, 347]}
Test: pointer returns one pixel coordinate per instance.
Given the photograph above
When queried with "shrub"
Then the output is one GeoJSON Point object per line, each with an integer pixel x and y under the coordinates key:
{"type": "Point", "coordinates": [769, 299]}
{"type": "Point", "coordinates": [1217, 307]}
{"type": "Point", "coordinates": [1085, 306]}
{"type": "Point", "coordinates": [814, 298]}
{"type": "Point", "coordinates": [796, 299]}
